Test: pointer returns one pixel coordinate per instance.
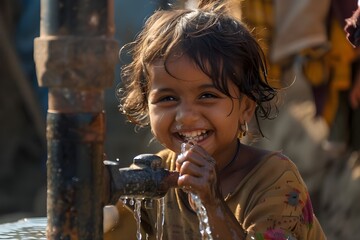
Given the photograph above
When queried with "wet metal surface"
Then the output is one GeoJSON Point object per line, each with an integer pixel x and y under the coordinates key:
{"type": "Point", "coordinates": [144, 179]}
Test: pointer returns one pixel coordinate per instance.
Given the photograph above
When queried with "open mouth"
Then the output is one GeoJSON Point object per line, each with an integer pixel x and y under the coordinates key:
{"type": "Point", "coordinates": [193, 136]}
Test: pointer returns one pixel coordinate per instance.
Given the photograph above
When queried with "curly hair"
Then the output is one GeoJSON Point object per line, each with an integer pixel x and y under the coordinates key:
{"type": "Point", "coordinates": [218, 43]}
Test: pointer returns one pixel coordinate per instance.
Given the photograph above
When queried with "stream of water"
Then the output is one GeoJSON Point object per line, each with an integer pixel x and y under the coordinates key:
{"type": "Point", "coordinates": [137, 213]}
{"type": "Point", "coordinates": [204, 226]}
{"type": "Point", "coordinates": [160, 218]}
{"type": "Point", "coordinates": [160, 210]}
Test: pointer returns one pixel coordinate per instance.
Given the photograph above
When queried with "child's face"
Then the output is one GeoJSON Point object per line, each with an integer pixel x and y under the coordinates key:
{"type": "Point", "coordinates": [186, 106]}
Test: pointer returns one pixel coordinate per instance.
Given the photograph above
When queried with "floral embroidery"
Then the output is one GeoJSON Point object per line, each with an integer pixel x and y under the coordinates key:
{"type": "Point", "coordinates": [274, 234]}
{"type": "Point", "coordinates": [293, 198]}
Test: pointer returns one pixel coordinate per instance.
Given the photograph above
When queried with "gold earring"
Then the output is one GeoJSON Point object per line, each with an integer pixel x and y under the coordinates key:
{"type": "Point", "coordinates": [243, 129]}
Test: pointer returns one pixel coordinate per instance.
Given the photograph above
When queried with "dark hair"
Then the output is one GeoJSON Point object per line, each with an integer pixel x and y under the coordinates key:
{"type": "Point", "coordinates": [218, 43]}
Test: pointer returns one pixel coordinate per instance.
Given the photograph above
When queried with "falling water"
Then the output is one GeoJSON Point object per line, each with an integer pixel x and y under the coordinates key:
{"type": "Point", "coordinates": [137, 212]}
{"type": "Point", "coordinates": [160, 218]}
{"type": "Point", "coordinates": [203, 218]}
{"type": "Point", "coordinates": [138, 218]}
{"type": "Point", "coordinates": [136, 202]}
{"type": "Point", "coordinates": [204, 226]}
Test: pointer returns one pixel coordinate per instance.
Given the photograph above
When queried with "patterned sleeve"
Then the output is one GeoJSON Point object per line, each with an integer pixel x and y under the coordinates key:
{"type": "Point", "coordinates": [283, 209]}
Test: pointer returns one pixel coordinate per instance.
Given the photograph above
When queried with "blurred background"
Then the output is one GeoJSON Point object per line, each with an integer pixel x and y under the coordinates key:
{"type": "Point", "coordinates": [308, 56]}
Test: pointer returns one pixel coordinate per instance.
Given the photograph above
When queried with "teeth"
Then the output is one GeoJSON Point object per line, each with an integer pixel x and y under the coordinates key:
{"type": "Point", "coordinates": [194, 135]}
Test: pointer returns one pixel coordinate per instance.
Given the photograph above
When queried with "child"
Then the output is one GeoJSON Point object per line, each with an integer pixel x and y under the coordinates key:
{"type": "Point", "coordinates": [198, 76]}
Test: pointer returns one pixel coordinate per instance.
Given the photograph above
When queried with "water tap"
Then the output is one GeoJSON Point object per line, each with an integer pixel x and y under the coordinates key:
{"type": "Point", "coordinates": [144, 179]}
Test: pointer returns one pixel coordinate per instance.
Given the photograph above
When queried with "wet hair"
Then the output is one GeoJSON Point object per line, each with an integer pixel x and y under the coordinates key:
{"type": "Point", "coordinates": [218, 43]}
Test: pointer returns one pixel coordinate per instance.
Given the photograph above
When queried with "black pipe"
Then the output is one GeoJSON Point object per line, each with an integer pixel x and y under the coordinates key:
{"type": "Point", "coordinates": [80, 17]}
{"type": "Point", "coordinates": [75, 57]}
{"type": "Point", "coordinates": [74, 175]}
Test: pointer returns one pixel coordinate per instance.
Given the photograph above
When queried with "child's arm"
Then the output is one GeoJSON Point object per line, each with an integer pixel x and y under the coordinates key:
{"type": "Point", "coordinates": [198, 175]}
{"type": "Point", "coordinates": [119, 222]}
{"type": "Point", "coordinates": [110, 217]}
{"type": "Point", "coordinates": [223, 223]}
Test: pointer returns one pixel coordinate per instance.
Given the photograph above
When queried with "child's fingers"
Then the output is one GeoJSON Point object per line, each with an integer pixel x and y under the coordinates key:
{"type": "Point", "coordinates": [189, 183]}
{"type": "Point", "coordinates": [190, 168]}
{"type": "Point", "coordinates": [197, 185]}
{"type": "Point", "coordinates": [110, 217]}
{"type": "Point", "coordinates": [197, 155]}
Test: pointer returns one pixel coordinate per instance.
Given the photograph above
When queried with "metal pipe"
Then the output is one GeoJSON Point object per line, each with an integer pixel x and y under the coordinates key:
{"type": "Point", "coordinates": [75, 57]}
{"type": "Point", "coordinates": [144, 179]}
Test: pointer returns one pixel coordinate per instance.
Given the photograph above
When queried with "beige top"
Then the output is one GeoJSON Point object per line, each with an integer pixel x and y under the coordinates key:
{"type": "Point", "coordinates": [271, 202]}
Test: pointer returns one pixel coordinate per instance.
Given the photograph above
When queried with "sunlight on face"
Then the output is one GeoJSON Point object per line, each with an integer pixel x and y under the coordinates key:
{"type": "Point", "coordinates": [184, 104]}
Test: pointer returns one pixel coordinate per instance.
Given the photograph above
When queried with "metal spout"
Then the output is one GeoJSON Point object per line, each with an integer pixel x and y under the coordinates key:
{"type": "Point", "coordinates": [145, 178]}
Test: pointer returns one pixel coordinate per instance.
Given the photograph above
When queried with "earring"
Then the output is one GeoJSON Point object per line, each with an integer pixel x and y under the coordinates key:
{"type": "Point", "coordinates": [243, 129]}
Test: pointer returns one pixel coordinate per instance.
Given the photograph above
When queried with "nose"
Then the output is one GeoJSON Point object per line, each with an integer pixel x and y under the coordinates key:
{"type": "Point", "coordinates": [187, 113]}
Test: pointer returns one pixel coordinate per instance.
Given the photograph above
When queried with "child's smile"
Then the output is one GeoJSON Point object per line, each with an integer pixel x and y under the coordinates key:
{"type": "Point", "coordinates": [194, 136]}
{"type": "Point", "coordinates": [185, 106]}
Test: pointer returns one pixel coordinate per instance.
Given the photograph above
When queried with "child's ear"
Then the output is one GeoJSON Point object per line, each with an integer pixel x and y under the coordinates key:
{"type": "Point", "coordinates": [247, 108]}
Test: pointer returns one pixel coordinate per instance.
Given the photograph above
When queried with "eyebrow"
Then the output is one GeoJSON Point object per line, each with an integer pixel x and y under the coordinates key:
{"type": "Point", "coordinates": [157, 90]}
{"type": "Point", "coordinates": [201, 87]}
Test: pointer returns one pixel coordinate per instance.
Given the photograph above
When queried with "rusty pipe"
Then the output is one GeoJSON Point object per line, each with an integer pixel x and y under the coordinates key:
{"type": "Point", "coordinates": [75, 58]}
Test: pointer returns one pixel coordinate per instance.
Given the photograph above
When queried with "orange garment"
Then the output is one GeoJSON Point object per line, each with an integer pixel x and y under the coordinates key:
{"type": "Point", "coordinates": [327, 53]}
{"type": "Point", "coordinates": [340, 57]}
{"type": "Point", "coordinates": [258, 16]}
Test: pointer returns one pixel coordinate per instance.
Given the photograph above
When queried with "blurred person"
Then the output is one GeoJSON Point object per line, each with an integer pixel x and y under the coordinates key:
{"type": "Point", "coordinates": [307, 50]}
{"type": "Point", "coordinates": [299, 127]}
{"type": "Point", "coordinates": [341, 214]}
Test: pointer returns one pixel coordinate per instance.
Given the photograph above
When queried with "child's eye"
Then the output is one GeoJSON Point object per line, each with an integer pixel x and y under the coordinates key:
{"type": "Point", "coordinates": [208, 95]}
{"type": "Point", "coordinates": [166, 99]}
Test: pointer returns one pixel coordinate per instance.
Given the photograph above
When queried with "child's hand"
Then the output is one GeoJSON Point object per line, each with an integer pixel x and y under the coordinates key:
{"type": "Point", "coordinates": [198, 174]}
{"type": "Point", "coordinates": [111, 217]}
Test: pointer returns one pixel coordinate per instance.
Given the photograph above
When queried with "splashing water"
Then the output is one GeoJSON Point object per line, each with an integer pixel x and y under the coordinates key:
{"type": "Point", "coordinates": [137, 203]}
{"type": "Point", "coordinates": [203, 218]}
{"type": "Point", "coordinates": [204, 226]}
{"type": "Point", "coordinates": [160, 218]}
{"type": "Point", "coordinates": [138, 218]}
